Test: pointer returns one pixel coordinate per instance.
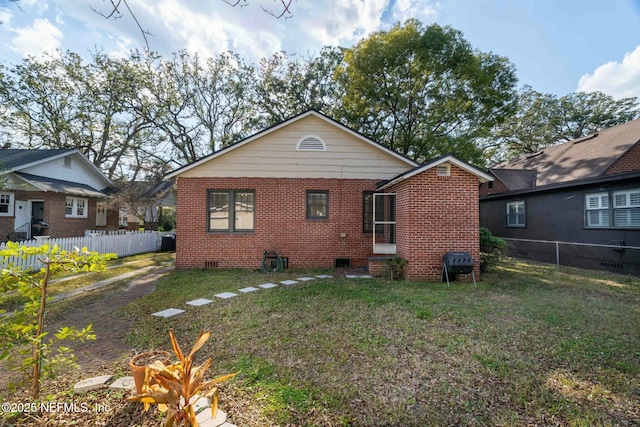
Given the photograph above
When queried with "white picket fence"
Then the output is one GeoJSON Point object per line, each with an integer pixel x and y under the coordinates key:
{"type": "Point", "coordinates": [122, 244]}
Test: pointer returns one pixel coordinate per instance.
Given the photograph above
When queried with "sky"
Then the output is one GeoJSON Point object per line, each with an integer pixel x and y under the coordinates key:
{"type": "Point", "coordinates": [557, 46]}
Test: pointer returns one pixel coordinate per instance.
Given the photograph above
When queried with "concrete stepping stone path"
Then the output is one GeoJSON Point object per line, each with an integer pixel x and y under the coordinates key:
{"type": "Point", "coordinates": [268, 286]}
{"type": "Point", "coordinates": [289, 282]}
{"type": "Point", "coordinates": [306, 279]}
{"type": "Point", "coordinates": [247, 290]}
{"type": "Point", "coordinates": [200, 301]}
{"type": "Point", "coordinates": [225, 295]}
{"type": "Point", "coordinates": [169, 312]}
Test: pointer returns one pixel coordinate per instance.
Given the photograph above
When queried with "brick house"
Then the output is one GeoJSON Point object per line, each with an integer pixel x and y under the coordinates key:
{"type": "Point", "coordinates": [322, 195]}
{"type": "Point", "coordinates": [51, 192]}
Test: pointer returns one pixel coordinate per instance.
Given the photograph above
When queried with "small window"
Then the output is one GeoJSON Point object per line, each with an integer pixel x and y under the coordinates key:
{"type": "Point", "coordinates": [515, 214]}
{"type": "Point", "coordinates": [6, 204]}
{"type": "Point", "coordinates": [231, 210]}
{"type": "Point", "coordinates": [75, 207]}
{"type": "Point", "coordinates": [317, 204]}
{"type": "Point", "coordinates": [626, 208]}
{"type": "Point", "coordinates": [444, 169]}
{"type": "Point", "coordinates": [597, 209]}
{"type": "Point", "coordinates": [311, 143]}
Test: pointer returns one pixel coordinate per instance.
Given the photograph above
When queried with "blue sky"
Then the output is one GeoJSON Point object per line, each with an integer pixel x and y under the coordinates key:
{"type": "Point", "coordinates": [557, 46]}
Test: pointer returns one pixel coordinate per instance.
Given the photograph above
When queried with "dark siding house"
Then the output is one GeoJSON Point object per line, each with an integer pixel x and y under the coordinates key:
{"type": "Point", "coordinates": [583, 191]}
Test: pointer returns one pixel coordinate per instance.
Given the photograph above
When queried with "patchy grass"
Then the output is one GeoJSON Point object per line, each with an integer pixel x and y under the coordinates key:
{"type": "Point", "coordinates": [65, 281]}
{"type": "Point", "coordinates": [530, 346]}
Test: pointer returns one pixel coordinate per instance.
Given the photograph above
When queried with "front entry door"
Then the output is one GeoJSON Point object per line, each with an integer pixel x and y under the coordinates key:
{"type": "Point", "coordinates": [22, 219]}
{"type": "Point", "coordinates": [37, 218]}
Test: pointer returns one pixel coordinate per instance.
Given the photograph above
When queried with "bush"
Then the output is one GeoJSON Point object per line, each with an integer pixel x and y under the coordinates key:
{"type": "Point", "coordinates": [491, 248]}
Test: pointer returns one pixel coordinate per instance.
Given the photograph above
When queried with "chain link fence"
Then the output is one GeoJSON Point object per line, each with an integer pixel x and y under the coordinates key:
{"type": "Point", "coordinates": [616, 259]}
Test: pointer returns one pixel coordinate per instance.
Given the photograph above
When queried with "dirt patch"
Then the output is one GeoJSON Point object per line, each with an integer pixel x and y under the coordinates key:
{"type": "Point", "coordinates": [101, 309]}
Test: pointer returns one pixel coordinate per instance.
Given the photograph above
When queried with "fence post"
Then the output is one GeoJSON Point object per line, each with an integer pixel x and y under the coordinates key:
{"type": "Point", "coordinates": [557, 255]}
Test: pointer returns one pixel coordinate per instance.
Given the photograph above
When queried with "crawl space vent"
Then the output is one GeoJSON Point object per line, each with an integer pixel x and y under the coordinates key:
{"type": "Point", "coordinates": [311, 143]}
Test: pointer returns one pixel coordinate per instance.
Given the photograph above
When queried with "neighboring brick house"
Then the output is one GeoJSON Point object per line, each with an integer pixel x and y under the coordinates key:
{"type": "Point", "coordinates": [583, 191]}
{"type": "Point", "coordinates": [51, 192]}
{"type": "Point", "coordinates": [315, 191]}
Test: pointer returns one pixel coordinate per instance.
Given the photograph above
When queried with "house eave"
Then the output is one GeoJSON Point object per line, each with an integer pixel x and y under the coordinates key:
{"type": "Point", "coordinates": [559, 186]}
{"type": "Point", "coordinates": [482, 176]}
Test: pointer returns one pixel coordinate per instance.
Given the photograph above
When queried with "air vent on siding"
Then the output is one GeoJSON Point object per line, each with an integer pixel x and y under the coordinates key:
{"type": "Point", "coordinates": [311, 143]}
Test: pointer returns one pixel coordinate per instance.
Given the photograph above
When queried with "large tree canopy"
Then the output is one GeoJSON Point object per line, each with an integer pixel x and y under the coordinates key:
{"type": "Point", "coordinates": [424, 91]}
{"type": "Point", "coordinates": [543, 119]}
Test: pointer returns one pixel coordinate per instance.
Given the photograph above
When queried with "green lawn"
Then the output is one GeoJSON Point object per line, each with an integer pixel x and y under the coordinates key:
{"type": "Point", "coordinates": [529, 346]}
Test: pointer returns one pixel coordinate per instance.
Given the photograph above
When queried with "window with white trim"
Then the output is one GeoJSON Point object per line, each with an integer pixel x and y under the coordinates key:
{"type": "Point", "coordinates": [626, 208]}
{"type": "Point", "coordinates": [597, 209]}
{"type": "Point", "coordinates": [515, 214]}
{"type": "Point", "coordinates": [75, 207]}
{"type": "Point", "coordinates": [6, 204]}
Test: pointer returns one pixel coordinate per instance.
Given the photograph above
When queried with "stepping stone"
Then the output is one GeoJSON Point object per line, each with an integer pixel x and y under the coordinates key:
{"type": "Point", "coordinates": [268, 286]}
{"type": "Point", "coordinates": [356, 276]}
{"type": "Point", "coordinates": [91, 384]}
{"type": "Point", "coordinates": [306, 279]}
{"type": "Point", "coordinates": [249, 289]}
{"type": "Point", "coordinates": [124, 383]}
{"type": "Point", "coordinates": [200, 301]}
{"type": "Point", "coordinates": [288, 282]}
{"type": "Point", "coordinates": [226, 295]}
{"type": "Point", "coordinates": [324, 276]}
{"type": "Point", "coordinates": [202, 408]}
{"type": "Point", "coordinates": [169, 312]}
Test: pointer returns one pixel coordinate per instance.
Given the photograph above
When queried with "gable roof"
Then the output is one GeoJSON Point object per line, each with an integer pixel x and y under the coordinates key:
{"type": "Point", "coordinates": [482, 175]}
{"type": "Point", "coordinates": [579, 159]}
{"type": "Point", "coordinates": [20, 161]}
{"type": "Point", "coordinates": [314, 113]}
{"type": "Point", "coordinates": [14, 159]}
{"type": "Point", "coordinates": [516, 179]}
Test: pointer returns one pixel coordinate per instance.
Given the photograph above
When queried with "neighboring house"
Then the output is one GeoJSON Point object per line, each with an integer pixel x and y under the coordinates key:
{"type": "Point", "coordinates": [50, 192]}
{"type": "Point", "coordinates": [141, 203]}
{"type": "Point", "coordinates": [323, 195]}
{"type": "Point", "coordinates": [585, 191]}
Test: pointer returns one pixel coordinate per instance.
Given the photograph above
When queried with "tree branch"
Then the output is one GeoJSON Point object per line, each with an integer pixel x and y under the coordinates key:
{"type": "Point", "coordinates": [117, 14]}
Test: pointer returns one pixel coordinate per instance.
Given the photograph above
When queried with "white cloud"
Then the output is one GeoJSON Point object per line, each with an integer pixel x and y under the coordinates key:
{"type": "Point", "coordinates": [42, 36]}
{"type": "Point", "coordinates": [342, 22]}
{"type": "Point", "coordinates": [5, 15]}
{"type": "Point", "coordinates": [424, 11]}
{"type": "Point", "coordinates": [618, 79]}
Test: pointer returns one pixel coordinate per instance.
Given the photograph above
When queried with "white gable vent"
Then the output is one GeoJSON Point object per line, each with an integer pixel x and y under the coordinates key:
{"type": "Point", "coordinates": [311, 143]}
{"type": "Point", "coordinates": [444, 169]}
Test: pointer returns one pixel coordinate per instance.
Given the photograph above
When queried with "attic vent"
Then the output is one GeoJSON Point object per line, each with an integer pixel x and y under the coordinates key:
{"type": "Point", "coordinates": [311, 143]}
{"type": "Point", "coordinates": [444, 169]}
{"type": "Point", "coordinates": [67, 161]}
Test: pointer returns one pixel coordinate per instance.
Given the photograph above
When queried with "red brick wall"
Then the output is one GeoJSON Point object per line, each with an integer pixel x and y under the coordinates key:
{"type": "Point", "coordinates": [436, 215]}
{"type": "Point", "coordinates": [629, 162]}
{"type": "Point", "coordinates": [498, 187]}
{"type": "Point", "coordinates": [280, 224]}
{"type": "Point", "coordinates": [54, 215]}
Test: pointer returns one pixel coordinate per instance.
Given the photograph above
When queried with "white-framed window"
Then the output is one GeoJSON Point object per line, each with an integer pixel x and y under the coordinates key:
{"type": "Point", "coordinates": [6, 204]}
{"type": "Point", "coordinates": [597, 209]}
{"type": "Point", "coordinates": [515, 214]}
{"type": "Point", "coordinates": [75, 207]}
{"type": "Point", "coordinates": [626, 208]}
